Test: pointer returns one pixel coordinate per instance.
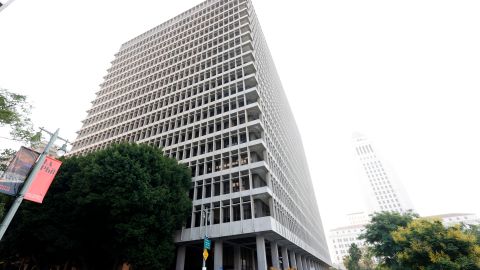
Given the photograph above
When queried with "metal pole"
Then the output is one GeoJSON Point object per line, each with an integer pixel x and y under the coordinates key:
{"type": "Point", "coordinates": [204, 219]}
{"type": "Point", "coordinates": [206, 222]}
{"type": "Point", "coordinates": [26, 185]}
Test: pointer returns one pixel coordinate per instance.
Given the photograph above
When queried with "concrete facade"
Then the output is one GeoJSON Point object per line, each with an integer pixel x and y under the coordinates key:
{"type": "Point", "coordinates": [203, 87]}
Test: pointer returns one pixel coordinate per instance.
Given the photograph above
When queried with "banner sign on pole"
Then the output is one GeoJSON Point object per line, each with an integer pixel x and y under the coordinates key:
{"type": "Point", "coordinates": [206, 243]}
{"type": "Point", "coordinates": [42, 181]}
{"type": "Point", "coordinates": [17, 171]}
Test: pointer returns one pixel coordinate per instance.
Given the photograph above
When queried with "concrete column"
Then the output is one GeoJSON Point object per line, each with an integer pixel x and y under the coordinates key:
{"type": "Point", "coordinates": [304, 263]}
{"type": "Point", "coordinates": [252, 205]}
{"type": "Point", "coordinates": [181, 257]}
{"type": "Point", "coordinates": [217, 255]}
{"type": "Point", "coordinates": [254, 265]}
{"type": "Point", "coordinates": [270, 206]}
{"type": "Point", "coordinates": [286, 263]}
{"type": "Point", "coordinates": [261, 253]}
{"type": "Point", "coordinates": [274, 251]}
{"type": "Point", "coordinates": [293, 260]}
{"type": "Point", "coordinates": [299, 262]}
{"type": "Point", "coordinates": [237, 258]}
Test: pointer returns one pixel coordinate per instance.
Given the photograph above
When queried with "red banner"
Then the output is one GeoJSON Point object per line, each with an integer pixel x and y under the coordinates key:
{"type": "Point", "coordinates": [42, 181]}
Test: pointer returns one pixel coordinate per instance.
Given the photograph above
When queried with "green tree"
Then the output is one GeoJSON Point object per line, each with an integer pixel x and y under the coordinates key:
{"type": "Point", "coordinates": [378, 236]}
{"type": "Point", "coordinates": [352, 260]}
{"type": "Point", "coordinates": [5, 156]}
{"type": "Point", "coordinates": [15, 117]}
{"type": "Point", "coordinates": [367, 262]}
{"type": "Point", "coordinates": [120, 204]}
{"type": "Point", "coordinates": [428, 245]}
{"type": "Point", "coordinates": [472, 229]}
{"type": "Point", "coordinates": [15, 114]}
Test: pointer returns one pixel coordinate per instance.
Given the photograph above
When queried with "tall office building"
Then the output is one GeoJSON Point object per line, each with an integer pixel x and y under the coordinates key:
{"type": "Point", "coordinates": [384, 191]}
{"type": "Point", "coordinates": [203, 87]}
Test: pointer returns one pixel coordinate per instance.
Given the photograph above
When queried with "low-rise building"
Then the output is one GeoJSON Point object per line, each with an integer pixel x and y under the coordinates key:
{"type": "Point", "coordinates": [341, 239]}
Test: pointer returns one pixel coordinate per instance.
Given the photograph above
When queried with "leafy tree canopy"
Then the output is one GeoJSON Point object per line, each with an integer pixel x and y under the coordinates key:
{"type": "Point", "coordinates": [120, 204]}
{"type": "Point", "coordinates": [359, 258]}
{"type": "Point", "coordinates": [428, 245]}
{"type": "Point", "coordinates": [367, 261]}
{"type": "Point", "coordinates": [15, 114]}
{"type": "Point", "coordinates": [403, 241]}
{"type": "Point", "coordinates": [15, 117]}
{"type": "Point", "coordinates": [378, 235]}
{"type": "Point", "coordinates": [474, 230]}
{"type": "Point", "coordinates": [352, 260]}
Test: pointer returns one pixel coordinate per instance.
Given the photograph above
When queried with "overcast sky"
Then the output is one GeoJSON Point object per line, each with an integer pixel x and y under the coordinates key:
{"type": "Point", "coordinates": [404, 73]}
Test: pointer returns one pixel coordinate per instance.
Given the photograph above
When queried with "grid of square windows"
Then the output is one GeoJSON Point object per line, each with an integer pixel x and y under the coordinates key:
{"type": "Point", "coordinates": [203, 87]}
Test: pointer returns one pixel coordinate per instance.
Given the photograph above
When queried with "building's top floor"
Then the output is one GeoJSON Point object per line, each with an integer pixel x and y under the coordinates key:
{"type": "Point", "coordinates": [184, 18]}
{"type": "Point", "coordinates": [352, 229]}
{"type": "Point", "coordinates": [358, 218]}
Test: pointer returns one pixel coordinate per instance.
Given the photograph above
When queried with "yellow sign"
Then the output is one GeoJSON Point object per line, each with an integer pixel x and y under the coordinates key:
{"type": "Point", "coordinates": [205, 254]}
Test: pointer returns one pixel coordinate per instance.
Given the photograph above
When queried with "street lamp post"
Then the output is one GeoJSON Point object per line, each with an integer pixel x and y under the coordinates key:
{"type": "Point", "coordinates": [28, 182]}
{"type": "Point", "coordinates": [205, 216]}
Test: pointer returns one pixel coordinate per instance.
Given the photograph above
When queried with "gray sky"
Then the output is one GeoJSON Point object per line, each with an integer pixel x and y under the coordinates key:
{"type": "Point", "coordinates": [404, 73]}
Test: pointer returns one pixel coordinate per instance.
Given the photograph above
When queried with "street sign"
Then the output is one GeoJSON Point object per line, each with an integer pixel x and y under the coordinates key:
{"type": "Point", "coordinates": [205, 254]}
{"type": "Point", "coordinates": [207, 243]}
